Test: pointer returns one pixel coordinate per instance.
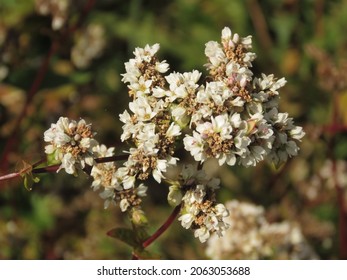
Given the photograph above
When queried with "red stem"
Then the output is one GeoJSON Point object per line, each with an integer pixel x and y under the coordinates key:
{"type": "Point", "coordinates": [55, 167]}
{"type": "Point", "coordinates": [163, 228]}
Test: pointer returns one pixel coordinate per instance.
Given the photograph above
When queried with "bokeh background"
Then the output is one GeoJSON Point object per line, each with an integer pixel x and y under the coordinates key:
{"type": "Point", "coordinates": [85, 45]}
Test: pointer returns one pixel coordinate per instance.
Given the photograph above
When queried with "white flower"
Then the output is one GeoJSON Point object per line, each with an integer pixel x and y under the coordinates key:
{"type": "Point", "coordinates": [146, 53]}
{"type": "Point", "coordinates": [173, 130]}
{"type": "Point", "coordinates": [71, 143]}
{"type": "Point", "coordinates": [215, 54]}
{"type": "Point", "coordinates": [124, 204]}
{"type": "Point", "coordinates": [142, 109]}
{"type": "Point", "coordinates": [202, 233]}
{"type": "Point", "coordinates": [68, 163]}
{"type": "Point", "coordinates": [141, 190]}
{"type": "Point", "coordinates": [174, 196]}
{"type": "Point", "coordinates": [162, 67]}
{"type": "Point", "coordinates": [186, 220]}
{"type": "Point", "coordinates": [132, 72]}
{"type": "Point", "coordinates": [195, 146]}
{"type": "Point", "coordinates": [141, 86]}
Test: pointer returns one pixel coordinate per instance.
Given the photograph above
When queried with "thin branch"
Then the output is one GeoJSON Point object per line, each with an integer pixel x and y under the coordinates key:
{"type": "Point", "coordinates": [9, 176]}
{"type": "Point", "coordinates": [112, 158]}
{"type": "Point", "coordinates": [55, 167]}
{"type": "Point", "coordinates": [163, 228]}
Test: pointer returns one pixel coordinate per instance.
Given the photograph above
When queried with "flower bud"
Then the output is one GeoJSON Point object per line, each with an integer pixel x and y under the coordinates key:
{"type": "Point", "coordinates": [175, 195]}
{"type": "Point", "coordinates": [138, 217]}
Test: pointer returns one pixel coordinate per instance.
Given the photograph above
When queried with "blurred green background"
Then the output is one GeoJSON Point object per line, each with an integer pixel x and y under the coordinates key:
{"type": "Point", "coordinates": [62, 218]}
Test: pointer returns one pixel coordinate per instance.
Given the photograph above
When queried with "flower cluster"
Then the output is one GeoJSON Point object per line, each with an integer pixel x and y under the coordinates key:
{"type": "Point", "coordinates": [149, 125]}
{"type": "Point", "coordinates": [107, 176]}
{"type": "Point", "coordinates": [251, 236]}
{"type": "Point", "coordinates": [233, 118]}
{"type": "Point", "coordinates": [71, 143]}
{"type": "Point", "coordinates": [200, 212]}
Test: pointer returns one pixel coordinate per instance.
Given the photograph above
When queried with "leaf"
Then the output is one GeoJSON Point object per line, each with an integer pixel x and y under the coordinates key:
{"type": "Point", "coordinates": [141, 235]}
{"type": "Point", "coordinates": [124, 234]}
{"type": "Point", "coordinates": [29, 178]}
{"type": "Point", "coordinates": [29, 181]}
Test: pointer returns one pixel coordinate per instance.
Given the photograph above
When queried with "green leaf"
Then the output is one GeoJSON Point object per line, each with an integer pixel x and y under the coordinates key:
{"type": "Point", "coordinates": [26, 173]}
{"type": "Point", "coordinates": [29, 181]}
{"type": "Point", "coordinates": [141, 235]}
{"type": "Point", "coordinates": [124, 234]}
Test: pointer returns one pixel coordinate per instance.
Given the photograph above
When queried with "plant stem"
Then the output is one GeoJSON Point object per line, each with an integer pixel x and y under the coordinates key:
{"type": "Point", "coordinates": [55, 167]}
{"type": "Point", "coordinates": [163, 228]}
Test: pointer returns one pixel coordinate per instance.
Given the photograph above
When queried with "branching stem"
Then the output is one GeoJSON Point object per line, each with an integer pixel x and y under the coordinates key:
{"type": "Point", "coordinates": [55, 167]}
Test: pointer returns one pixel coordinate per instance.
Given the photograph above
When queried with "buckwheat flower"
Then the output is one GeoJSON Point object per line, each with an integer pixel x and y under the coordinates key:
{"type": "Point", "coordinates": [286, 136]}
{"type": "Point", "coordinates": [195, 145]}
{"type": "Point", "coordinates": [236, 47]}
{"type": "Point", "coordinates": [131, 198]}
{"type": "Point", "coordinates": [129, 127]}
{"type": "Point", "coordinates": [142, 109]}
{"type": "Point", "coordinates": [162, 66]}
{"type": "Point", "coordinates": [266, 89]}
{"type": "Point", "coordinates": [146, 54]}
{"type": "Point", "coordinates": [147, 138]}
{"type": "Point", "coordinates": [186, 220]}
{"type": "Point", "coordinates": [104, 174]}
{"type": "Point", "coordinates": [200, 212]}
{"type": "Point", "coordinates": [202, 233]}
{"type": "Point", "coordinates": [109, 196]}
{"type": "Point", "coordinates": [124, 204]}
{"type": "Point", "coordinates": [173, 130]}
{"type": "Point", "coordinates": [238, 74]}
{"type": "Point", "coordinates": [128, 182]}
{"type": "Point", "coordinates": [175, 195]}
{"type": "Point", "coordinates": [71, 143]}
{"type": "Point", "coordinates": [215, 54]}
{"type": "Point", "coordinates": [141, 86]}
{"type": "Point", "coordinates": [213, 139]}
{"type": "Point", "coordinates": [132, 72]}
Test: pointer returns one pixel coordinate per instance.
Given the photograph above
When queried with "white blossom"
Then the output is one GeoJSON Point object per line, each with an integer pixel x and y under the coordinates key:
{"type": "Point", "coordinates": [71, 143]}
